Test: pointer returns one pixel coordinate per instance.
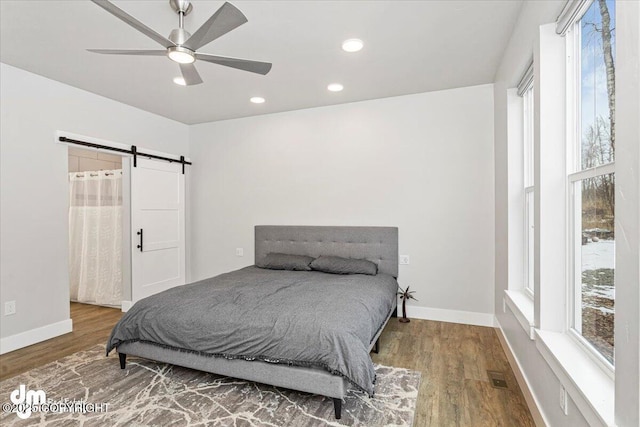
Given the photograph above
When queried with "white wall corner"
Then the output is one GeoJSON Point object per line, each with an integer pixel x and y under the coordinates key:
{"type": "Point", "coordinates": [33, 336]}
{"type": "Point", "coordinates": [523, 382]}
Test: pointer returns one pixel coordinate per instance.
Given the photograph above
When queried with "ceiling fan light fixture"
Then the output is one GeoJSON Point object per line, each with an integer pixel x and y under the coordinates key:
{"type": "Point", "coordinates": [257, 100]}
{"type": "Point", "coordinates": [352, 45]}
{"type": "Point", "coordinates": [181, 47]}
{"type": "Point", "coordinates": [179, 81]}
{"type": "Point", "coordinates": [181, 55]}
{"type": "Point", "coordinates": [335, 87]}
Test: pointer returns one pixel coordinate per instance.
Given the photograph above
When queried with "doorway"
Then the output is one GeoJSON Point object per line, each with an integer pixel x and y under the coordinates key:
{"type": "Point", "coordinates": [96, 228]}
{"type": "Point", "coordinates": [145, 198]}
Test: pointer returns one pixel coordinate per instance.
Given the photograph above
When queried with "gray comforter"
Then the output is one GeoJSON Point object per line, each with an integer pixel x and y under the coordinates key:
{"type": "Point", "coordinates": [292, 317]}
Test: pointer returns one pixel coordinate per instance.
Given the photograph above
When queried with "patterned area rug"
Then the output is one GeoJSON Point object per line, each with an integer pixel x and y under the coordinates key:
{"type": "Point", "coordinates": [155, 394]}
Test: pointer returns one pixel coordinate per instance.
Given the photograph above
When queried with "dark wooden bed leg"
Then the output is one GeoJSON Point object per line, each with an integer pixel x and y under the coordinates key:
{"type": "Point", "coordinates": [337, 405]}
{"type": "Point", "coordinates": [376, 346]}
{"type": "Point", "coordinates": [395, 312]}
{"type": "Point", "coordinates": [123, 360]}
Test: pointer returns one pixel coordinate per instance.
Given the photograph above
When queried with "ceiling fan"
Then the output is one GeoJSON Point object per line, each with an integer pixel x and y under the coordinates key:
{"type": "Point", "coordinates": [182, 47]}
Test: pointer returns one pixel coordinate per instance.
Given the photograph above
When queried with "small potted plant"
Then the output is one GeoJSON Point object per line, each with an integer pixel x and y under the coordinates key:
{"type": "Point", "coordinates": [405, 295]}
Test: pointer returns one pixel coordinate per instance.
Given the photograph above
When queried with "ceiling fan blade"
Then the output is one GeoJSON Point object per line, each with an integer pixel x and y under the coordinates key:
{"type": "Point", "coordinates": [190, 74]}
{"type": "Point", "coordinates": [224, 20]}
{"type": "Point", "coordinates": [124, 16]}
{"type": "Point", "coordinates": [241, 64]}
{"type": "Point", "coordinates": [129, 52]}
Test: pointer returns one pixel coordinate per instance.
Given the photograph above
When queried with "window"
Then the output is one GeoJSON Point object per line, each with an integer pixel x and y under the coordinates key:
{"type": "Point", "coordinates": [526, 92]}
{"type": "Point", "coordinates": [591, 49]}
{"type": "Point", "coordinates": [528, 124]}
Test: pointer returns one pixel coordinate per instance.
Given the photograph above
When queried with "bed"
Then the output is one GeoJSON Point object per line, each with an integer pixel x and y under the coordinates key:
{"type": "Point", "coordinates": [304, 330]}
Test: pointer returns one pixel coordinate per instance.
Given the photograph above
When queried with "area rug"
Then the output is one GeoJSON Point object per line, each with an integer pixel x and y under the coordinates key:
{"type": "Point", "coordinates": [89, 389]}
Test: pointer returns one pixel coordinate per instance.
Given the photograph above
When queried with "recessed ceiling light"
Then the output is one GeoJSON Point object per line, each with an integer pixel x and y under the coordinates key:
{"type": "Point", "coordinates": [257, 100]}
{"type": "Point", "coordinates": [335, 87]}
{"type": "Point", "coordinates": [352, 45]}
{"type": "Point", "coordinates": [179, 81]}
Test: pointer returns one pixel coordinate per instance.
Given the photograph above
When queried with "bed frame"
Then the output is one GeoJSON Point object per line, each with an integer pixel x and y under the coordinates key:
{"type": "Point", "coordinates": [376, 244]}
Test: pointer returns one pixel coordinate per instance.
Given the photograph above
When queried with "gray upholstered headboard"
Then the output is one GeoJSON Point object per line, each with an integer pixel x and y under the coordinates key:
{"type": "Point", "coordinates": [376, 244]}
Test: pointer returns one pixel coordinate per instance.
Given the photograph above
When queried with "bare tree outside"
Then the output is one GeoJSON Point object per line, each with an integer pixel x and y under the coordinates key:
{"type": "Point", "coordinates": [598, 193]}
{"type": "Point", "coordinates": [606, 33]}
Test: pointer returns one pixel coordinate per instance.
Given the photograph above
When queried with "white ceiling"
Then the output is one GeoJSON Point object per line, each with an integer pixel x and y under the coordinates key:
{"type": "Point", "coordinates": [410, 47]}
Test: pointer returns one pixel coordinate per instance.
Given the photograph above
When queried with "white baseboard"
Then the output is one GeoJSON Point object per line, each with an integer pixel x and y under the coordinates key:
{"type": "Point", "coordinates": [451, 316]}
{"type": "Point", "coordinates": [126, 305]}
{"type": "Point", "coordinates": [532, 402]}
{"type": "Point", "coordinates": [33, 336]}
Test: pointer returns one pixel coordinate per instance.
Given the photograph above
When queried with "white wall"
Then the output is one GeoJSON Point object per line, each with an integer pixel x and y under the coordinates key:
{"type": "Point", "coordinates": [627, 327]}
{"type": "Point", "coordinates": [421, 162]}
{"type": "Point", "coordinates": [543, 383]}
{"type": "Point", "coordinates": [34, 189]}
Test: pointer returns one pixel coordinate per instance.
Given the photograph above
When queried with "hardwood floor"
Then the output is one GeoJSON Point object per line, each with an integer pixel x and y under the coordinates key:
{"type": "Point", "coordinates": [453, 359]}
{"type": "Point", "coordinates": [92, 324]}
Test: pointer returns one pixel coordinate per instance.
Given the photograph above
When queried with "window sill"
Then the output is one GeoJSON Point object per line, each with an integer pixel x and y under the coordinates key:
{"type": "Point", "coordinates": [590, 388]}
{"type": "Point", "coordinates": [521, 305]}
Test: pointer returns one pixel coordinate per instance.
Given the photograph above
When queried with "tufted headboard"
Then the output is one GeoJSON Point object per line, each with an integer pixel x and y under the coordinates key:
{"type": "Point", "coordinates": [376, 244]}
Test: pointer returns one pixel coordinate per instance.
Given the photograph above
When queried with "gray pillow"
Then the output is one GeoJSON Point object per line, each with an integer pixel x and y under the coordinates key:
{"type": "Point", "coordinates": [338, 265]}
{"type": "Point", "coordinates": [278, 261]}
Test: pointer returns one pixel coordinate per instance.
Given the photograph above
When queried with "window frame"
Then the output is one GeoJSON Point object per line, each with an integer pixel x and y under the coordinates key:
{"type": "Point", "coordinates": [526, 89]}
{"type": "Point", "coordinates": [575, 175]}
{"type": "Point", "coordinates": [529, 242]}
{"type": "Point", "coordinates": [528, 174]}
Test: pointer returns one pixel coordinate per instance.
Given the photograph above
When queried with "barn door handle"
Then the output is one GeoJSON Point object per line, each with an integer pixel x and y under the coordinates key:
{"type": "Point", "coordinates": [141, 239]}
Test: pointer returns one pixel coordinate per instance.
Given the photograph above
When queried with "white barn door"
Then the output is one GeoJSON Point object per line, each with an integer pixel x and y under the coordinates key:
{"type": "Point", "coordinates": [157, 227]}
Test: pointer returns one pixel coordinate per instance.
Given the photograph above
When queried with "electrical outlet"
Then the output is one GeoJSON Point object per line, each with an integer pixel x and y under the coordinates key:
{"type": "Point", "coordinates": [563, 401]}
{"type": "Point", "coordinates": [239, 252]}
{"type": "Point", "coordinates": [9, 308]}
{"type": "Point", "coordinates": [404, 259]}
